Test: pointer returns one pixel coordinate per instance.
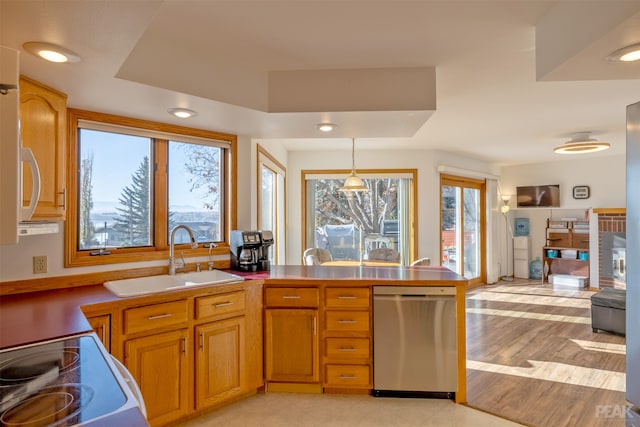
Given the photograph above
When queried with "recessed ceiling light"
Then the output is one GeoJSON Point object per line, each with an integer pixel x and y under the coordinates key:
{"type": "Point", "coordinates": [327, 127]}
{"type": "Point", "coordinates": [581, 143]}
{"type": "Point", "coordinates": [182, 113]}
{"type": "Point", "coordinates": [626, 54]}
{"type": "Point", "coordinates": [51, 52]}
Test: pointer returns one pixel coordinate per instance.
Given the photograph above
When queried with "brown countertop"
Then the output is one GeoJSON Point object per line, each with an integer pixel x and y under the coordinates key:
{"type": "Point", "coordinates": [38, 316]}
{"type": "Point", "coordinates": [312, 275]}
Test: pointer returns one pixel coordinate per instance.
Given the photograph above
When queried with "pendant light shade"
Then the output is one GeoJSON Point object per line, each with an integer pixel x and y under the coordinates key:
{"type": "Point", "coordinates": [581, 143]}
{"type": "Point", "coordinates": [353, 183]}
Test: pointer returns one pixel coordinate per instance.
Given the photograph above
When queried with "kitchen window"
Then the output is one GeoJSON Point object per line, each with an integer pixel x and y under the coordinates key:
{"type": "Point", "coordinates": [351, 225]}
{"type": "Point", "coordinates": [132, 181]}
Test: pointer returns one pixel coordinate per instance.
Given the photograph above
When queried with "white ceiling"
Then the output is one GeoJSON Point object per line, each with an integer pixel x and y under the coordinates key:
{"type": "Point", "coordinates": [141, 57]}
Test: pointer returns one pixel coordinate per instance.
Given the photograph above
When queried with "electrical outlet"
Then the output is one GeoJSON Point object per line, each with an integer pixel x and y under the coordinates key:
{"type": "Point", "coordinates": [39, 264]}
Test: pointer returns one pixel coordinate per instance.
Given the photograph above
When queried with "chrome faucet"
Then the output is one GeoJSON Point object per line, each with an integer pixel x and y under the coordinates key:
{"type": "Point", "coordinates": [210, 263]}
{"type": "Point", "coordinates": [194, 244]}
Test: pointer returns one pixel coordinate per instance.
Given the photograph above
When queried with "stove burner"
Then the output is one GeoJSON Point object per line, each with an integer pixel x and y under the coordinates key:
{"type": "Point", "coordinates": [50, 406]}
{"type": "Point", "coordinates": [31, 366]}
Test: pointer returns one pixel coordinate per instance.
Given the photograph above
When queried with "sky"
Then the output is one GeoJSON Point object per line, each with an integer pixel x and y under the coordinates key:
{"type": "Point", "coordinates": [116, 158]}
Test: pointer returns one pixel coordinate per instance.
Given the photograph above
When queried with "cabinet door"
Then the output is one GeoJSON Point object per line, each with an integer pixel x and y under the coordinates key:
{"type": "Point", "coordinates": [291, 345]}
{"type": "Point", "coordinates": [102, 327]}
{"type": "Point", "coordinates": [220, 361]}
{"type": "Point", "coordinates": [159, 365]}
{"type": "Point", "coordinates": [43, 121]}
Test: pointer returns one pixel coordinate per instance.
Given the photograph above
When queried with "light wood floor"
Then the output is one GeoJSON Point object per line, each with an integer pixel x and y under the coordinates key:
{"type": "Point", "coordinates": [532, 357]}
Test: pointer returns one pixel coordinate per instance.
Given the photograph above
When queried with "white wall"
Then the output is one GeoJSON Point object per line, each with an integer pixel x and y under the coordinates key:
{"type": "Point", "coordinates": [604, 175]}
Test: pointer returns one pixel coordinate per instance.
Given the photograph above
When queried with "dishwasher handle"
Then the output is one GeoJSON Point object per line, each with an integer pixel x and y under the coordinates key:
{"type": "Point", "coordinates": [413, 297]}
{"type": "Point", "coordinates": [414, 290]}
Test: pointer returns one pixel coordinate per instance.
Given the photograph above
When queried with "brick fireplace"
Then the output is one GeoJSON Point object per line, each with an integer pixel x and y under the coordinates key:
{"type": "Point", "coordinates": [612, 227]}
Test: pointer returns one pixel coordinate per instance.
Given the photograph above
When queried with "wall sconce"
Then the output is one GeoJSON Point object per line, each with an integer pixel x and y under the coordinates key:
{"type": "Point", "coordinates": [505, 208]}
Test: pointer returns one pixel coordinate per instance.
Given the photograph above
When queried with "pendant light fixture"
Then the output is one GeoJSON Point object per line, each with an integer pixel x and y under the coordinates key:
{"type": "Point", "coordinates": [353, 183]}
{"type": "Point", "coordinates": [581, 143]}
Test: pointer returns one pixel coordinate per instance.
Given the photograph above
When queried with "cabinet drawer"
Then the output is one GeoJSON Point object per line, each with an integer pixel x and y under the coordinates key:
{"type": "Point", "coordinates": [155, 316]}
{"type": "Point", "coordinates": [347, 348]}
{"type": "Point", "coordinates": [581, 240]}
{"type": "Point", "coordinates": [347, 375]}
{"type": "Point", "coordinates": [347, 297]}
{"type": "Point", "coordinates": [292, 297]}
{"type": "Point", "coordinates": [560, 240]}
{"type": "Point", "coordinates": [347, 321]}
{"type": "Point", "coordinates": [216, 305]}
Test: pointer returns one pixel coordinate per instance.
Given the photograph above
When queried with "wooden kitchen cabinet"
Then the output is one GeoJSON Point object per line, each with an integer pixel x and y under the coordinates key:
{"type": "Point", "coordinates": [291, 336]}
{"type": "Point", "coordinates": [347, 339]}
{"type": "Point", "coordinates": [160, 364]}
{"type": "Point", "coordinates": [43, 122]}
{"type": "Point", "coordinates": [102, 327]}
{"type": "Point", "coordinates": [191, 351]}
{"type": "Point", "coordinates": [291, 345]}
{"type": "Point", "coordinates": [221, 361]}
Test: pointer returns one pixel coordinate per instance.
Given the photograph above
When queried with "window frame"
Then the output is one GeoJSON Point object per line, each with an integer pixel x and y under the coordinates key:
{"type": "Point", "coordinates": [266, 160]}
{"type": "Point", "coordinates": [160, 249]}
{"type": "Point", "coordinates": [368, 173]}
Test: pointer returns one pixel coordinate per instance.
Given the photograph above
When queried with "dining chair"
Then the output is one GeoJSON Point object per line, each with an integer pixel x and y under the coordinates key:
{"type": "Point", "coordinates": [384, 254]}
{"type": "Point", "coordinates": [421, 261]}
{"type": "Point", "coordinates": [316, 256]}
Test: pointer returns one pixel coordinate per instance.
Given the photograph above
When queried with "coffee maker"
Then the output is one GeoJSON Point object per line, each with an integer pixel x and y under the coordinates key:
{"type": "Point", "coordinates": [264, 262]}
{"type": "Point", "coordinates": [245, 250]}
{"type": "Point", "coordinates": [250, 250]}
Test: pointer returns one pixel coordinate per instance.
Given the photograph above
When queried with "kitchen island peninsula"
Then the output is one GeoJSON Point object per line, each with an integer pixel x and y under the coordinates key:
{"type": "Point", "coordinates": [326, 314]}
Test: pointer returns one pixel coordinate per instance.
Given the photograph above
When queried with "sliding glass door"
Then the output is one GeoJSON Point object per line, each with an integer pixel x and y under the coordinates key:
{"type": "Point", "coordinates": [350, 226]}
{"type": "Point", "coordinates": [462, 226]}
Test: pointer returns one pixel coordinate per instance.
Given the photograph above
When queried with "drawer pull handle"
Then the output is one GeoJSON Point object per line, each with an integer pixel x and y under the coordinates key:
{"type": "Point", "coordinates": [291, 297]}
{"type": "Point", "coordinates": [347, 322]}
{"type": "Point", "coordinates": [223, 304]}
{"type": "Point", "coordinates": [347, 349]}
{"type": "Point", "coordinates": [347, 297]}
{"type": "Point", "coordinates": [348, 377]}
{"type": "Point", "coordinates": [159, 316]}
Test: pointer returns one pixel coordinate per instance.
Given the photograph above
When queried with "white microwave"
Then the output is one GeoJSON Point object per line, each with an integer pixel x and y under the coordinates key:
{"type": "Point", "coordinates": [12, 214]}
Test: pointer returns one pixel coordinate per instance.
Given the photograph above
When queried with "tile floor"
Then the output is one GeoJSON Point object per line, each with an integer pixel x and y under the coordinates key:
{"type": "Point", "coordinates": [324, 410]}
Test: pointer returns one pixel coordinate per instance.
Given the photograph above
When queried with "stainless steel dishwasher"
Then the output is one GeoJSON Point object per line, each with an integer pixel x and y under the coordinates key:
{"type": "Point", "coordinates": [415, 350]}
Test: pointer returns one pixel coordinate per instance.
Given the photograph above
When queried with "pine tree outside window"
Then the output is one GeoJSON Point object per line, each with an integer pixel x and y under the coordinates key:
{"type": "Point", "coordinates": [135, 180]}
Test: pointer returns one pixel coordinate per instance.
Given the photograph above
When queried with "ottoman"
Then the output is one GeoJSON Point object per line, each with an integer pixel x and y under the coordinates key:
{"type": "Point", "coordinates": [608, 310]}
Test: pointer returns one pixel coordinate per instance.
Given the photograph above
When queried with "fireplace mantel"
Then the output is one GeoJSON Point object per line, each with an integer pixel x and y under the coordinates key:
{"type": "Point", "coordinates": [610, 211]}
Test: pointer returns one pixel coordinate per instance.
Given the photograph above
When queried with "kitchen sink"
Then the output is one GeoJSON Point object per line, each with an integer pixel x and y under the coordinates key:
{"type": "Point", "coordinates": [155, 284]}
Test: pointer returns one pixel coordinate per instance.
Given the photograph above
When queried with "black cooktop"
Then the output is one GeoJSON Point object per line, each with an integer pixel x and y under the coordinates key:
{"type": "Point", "coordinates": [57, 383]}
